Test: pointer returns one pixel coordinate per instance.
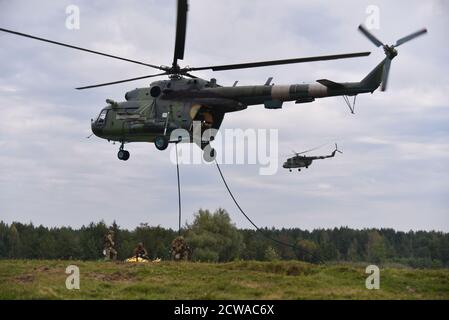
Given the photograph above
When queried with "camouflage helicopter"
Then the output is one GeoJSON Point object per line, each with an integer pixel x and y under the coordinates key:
{"type": "Point", "coordinates": [151, 114]}
{"type": "Point", "coordinates": [299, 161]}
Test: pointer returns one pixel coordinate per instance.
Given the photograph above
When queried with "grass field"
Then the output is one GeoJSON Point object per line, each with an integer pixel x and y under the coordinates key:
{"type": "Point", "coordinates": [37, 279]}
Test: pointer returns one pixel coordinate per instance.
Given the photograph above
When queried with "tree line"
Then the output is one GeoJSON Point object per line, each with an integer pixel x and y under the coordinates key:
{"type": "Point", "coordinates": [213, 237]}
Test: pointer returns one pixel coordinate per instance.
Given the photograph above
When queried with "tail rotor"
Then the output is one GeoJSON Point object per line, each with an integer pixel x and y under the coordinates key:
{"type": "Point", "coordinates": [336, 149]}
{"type": "Point", "coordinates": [390, 50]}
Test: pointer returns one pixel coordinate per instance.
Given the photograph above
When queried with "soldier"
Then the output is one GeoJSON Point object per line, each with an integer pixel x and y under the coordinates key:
{"type": "Point", "coordinates": [180, 250]}
{"type": "Point", "coordinates": [109, 244]}
{"type": "Point", "coordinates": [141, 252]}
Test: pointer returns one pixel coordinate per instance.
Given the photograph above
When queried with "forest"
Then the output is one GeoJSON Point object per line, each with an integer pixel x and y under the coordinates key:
{"type": "Point", "coordinates": [214, 238]}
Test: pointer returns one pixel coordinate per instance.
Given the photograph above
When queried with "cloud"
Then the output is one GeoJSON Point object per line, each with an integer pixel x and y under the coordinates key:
{"type": "Point", "coordinates": [393, 172]}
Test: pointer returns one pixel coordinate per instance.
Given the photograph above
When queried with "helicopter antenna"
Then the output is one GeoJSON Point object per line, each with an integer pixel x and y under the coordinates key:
{"type": "Point", "coordinates": [351, 105]}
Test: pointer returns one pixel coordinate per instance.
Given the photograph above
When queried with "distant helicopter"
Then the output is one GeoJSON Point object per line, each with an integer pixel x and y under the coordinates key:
{"type": "Point", "coordinates": [299, 161]}
{"type": "Point", "coordinates": [152, 114]}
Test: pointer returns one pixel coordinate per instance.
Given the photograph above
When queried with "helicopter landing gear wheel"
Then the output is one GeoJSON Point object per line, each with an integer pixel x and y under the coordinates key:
{"type": "Point", "coordinates": [123, 154]}
{"type": "Point", "coordinates": [209, 153]}
{"type": "Point", "coordinates": [161, 142]}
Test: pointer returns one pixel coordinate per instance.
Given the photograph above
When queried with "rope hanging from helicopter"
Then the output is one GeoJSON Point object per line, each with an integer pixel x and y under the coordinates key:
{"type": "Point", "coordinates": [179, 190]}
{"type": "Point", "coordinates": [261, 231]}
{"type": "Point", "coordinates": [258, 229]}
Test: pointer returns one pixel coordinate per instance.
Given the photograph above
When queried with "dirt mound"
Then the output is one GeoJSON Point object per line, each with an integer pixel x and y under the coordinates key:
{"type": "Point", "coordinates": [25, 278]}
{"type": "Point", "coordinates": [115, 276]}
{"type": "Point", "coordinates": [290, 268]}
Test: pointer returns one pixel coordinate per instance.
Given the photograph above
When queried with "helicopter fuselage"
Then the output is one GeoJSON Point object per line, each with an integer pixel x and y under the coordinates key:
{"type": "Point", "coordinates": [297, 162]}
{"type": "Point", "coordinates": [152, 114]}
{"type": "Point", "coordinates": [176, 103]}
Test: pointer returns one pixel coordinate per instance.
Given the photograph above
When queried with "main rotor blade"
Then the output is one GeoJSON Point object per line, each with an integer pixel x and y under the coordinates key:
{"type": "Point", "coordinates": [181, 24]}
{"type": "Point", "coordinates": [370, 36]}
{"type": "Point", "coordinates": [279, 62]}
{"type": "Point", "coordinates": [120, 81]}
{"type": "Point", "coordinates": [385, 75]}
{"type": "Point", "coordinates": [410, 37]}
{"type": "Point", "coordinates": [313, 149]}
{"type": "Point", "coordinates": [79, 48]}
{"type": "Point", "coordinates": [190, 75]}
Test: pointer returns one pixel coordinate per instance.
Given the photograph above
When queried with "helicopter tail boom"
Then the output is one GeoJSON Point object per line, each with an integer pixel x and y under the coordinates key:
{"type": "Point", "coordinates": [373, 80]}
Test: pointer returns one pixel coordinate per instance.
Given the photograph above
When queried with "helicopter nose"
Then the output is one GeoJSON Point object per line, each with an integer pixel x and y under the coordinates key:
{"type": "Point", "coordinates": [95, 129]}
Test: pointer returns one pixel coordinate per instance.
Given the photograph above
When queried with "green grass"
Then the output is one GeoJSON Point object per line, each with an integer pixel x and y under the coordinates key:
{"type": "Point", "coordinates": [35, 279]}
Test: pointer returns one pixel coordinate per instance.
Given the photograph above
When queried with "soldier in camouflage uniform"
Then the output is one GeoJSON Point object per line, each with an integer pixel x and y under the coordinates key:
{"type": "Point", "coordinates": [109, 244]}
{"type": "Point", "coordinates": [141, 252]}
{"type": "Point", "coordinates": [180, 250]}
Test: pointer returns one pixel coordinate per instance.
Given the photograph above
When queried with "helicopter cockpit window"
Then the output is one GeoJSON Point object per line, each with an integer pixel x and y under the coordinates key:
{"type": "Point", "coordinates": [102, 117]}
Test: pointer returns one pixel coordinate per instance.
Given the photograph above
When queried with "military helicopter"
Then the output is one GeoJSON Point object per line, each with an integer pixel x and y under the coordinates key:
{"type": "Point", "coordinates": [299, 161]}
{"type": "Point", "coordinates": [151, 114]}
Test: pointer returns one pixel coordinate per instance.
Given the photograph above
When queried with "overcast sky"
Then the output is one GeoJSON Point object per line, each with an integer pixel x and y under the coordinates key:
{"type": "Point", "coordinates": [394, 171]}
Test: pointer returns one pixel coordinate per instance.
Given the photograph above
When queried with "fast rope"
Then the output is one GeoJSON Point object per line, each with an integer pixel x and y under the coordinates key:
{"type": "Point", "coordinates": [179, 190]}
{"type": "Point", "coordinates": [259, 229]}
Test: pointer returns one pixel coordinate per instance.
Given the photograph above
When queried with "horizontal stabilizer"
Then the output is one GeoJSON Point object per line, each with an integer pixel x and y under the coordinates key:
{"type": "Point", "coordinates": [330, 84]}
